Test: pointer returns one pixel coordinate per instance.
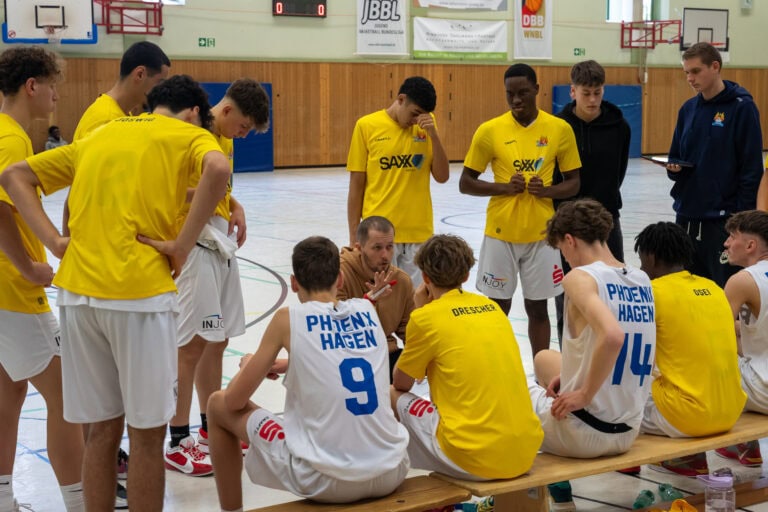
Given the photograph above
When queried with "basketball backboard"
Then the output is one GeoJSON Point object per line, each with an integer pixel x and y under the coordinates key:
{"type": "Point", "coordinates": [45, 21]}
{"type": "Point", "coordinates": [705, 26]}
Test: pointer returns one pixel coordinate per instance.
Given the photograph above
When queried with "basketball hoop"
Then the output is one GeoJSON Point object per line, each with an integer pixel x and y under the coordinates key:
{"type": "Point", "coordinates": [53, 33]}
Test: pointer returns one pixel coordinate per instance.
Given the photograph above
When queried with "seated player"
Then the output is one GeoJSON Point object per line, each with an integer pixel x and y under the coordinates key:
{"type": "Point", "coordinates": [590, 397]}
{"type": "Point", "coordinates": [747, 292]}
{"type": "Point", "coordinates": [338, 441]}
{"type": "Point", "coordinates": [480, 424]}
{"type": "Point", "coordinates": [690, 396]}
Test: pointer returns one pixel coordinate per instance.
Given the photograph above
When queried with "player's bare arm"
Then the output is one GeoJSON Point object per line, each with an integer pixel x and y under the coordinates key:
{"type": "Point", "coordinates": [11, 244]}
{"type": "Point", "coordinates": [471, 184]}
{"type": "Point", "coordinates": [355, 203]}
{"type": "Point", "coordinates": [569, 187]}
{"type": "Point", "coordinates": [237, 220]}
{"type": "Point", "coordinates": [242, 386]}
{"type": "Point", "coordinates": [440, 164]}
{"type": "Point", "coordinates": [21, 184]}
{"type": "Point", "coordinates": [583, 295]}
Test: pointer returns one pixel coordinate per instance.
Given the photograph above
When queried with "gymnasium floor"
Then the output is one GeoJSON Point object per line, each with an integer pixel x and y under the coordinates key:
{"type": "Point", "coordinates": [286, 206]}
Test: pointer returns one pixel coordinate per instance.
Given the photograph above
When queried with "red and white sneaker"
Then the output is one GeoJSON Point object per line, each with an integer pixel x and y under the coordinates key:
{"type": "Point", "coordinates": [748, 454]}
{"type": "Point", "coordinates": [188, 459]}
{"type": "Point", "coordinates": [202, 442]}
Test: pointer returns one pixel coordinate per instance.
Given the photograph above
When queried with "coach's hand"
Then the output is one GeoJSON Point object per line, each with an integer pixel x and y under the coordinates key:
{"type": "Point", "coordinates": [176, 256]}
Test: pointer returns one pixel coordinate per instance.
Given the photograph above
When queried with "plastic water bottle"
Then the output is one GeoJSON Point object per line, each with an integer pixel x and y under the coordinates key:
{"type": "Point", "coordinates": [644, 499]}
{"type": "Point", "coordinates": [719, 493]}
{"type": "Point", "coordinates": [669, 493]}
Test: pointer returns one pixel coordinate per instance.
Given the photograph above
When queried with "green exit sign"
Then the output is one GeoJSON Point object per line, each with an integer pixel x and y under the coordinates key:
{"type": "Point", "coordinates": [579, 52]}
{"type": "Point", "coordinates": [206, 42]}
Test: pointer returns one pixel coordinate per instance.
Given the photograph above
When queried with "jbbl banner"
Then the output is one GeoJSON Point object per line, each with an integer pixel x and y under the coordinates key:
{"type": "Point", "coordinates": [533, 29]}
{"type": "Point", "coordinates": [459, 39]}
{"type": "Point", "coordinates": [381, 27]}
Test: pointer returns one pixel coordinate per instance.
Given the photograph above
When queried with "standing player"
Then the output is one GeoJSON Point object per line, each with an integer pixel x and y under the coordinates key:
{"type": "Point", "coordinates": [142, 66]}
{"type": "Point", "coordinates": [690, 396]}
{"type": "Point", "coordinates": [338, 440]}
{"type": "Point", "coordinates": [603, 136]}
{"type": "Point", "coordinates": [590, 397]}
{"type": "Point", "coordinates": [523, 147]}
{"type": "Point", "coordinates": [718, 134]}
{"type": "Point", "coordinates": [29, 338]}
{"type": "Point", "coordinates": [465, 345]}
{"type": "Point", "coordinates": [391, 157]}
{"type": "Point", "coordinates": [116, 295]}
{"type": "Point", "coordinates": [210, 297]}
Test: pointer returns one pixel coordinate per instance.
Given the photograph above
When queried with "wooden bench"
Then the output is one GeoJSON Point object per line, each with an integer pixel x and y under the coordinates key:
{"type": "Point", "coordinates": [528, 493]}
{"type": "Point", "coordinates": [415, 494]}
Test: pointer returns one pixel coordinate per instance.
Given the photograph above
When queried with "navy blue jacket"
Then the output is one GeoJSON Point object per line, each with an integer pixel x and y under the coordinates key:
{"type": "Point", "coordinates": [721, 137]}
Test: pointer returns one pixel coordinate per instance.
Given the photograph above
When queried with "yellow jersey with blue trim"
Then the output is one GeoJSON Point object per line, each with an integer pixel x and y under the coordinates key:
{"type": "Point", "coordinates": [128, 178]}
{"type": "Point", "coordinates": [532, 150]}
{"type": "Point", "coordinates": [397, 162]}
{"type": "Point", "coordinates": [16, 293]}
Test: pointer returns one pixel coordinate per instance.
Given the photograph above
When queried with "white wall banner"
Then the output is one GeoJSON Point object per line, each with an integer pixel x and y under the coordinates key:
{"type": "Point", "coordinates": [533, 29]}
{"type": "Point", "coordinates": [486, 5]}
{"type": "Point", "coordinates": [381, 27]}
{"type": "Point", "coordinates": [459, 39]}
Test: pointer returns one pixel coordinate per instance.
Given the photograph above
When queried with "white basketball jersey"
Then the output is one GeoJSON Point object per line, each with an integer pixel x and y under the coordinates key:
{"type": "Point", "coordinates": [621, 398]}
{"type": "Point", "coordinates": [754, 330]}
{"type": "Point", "coordinates": [337, 409]}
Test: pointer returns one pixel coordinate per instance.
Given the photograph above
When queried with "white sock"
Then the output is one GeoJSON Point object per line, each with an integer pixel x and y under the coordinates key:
{"type": "Point", "coordinates": [73, 497]}
{"type": "Point", "coordinates": [6, 492]}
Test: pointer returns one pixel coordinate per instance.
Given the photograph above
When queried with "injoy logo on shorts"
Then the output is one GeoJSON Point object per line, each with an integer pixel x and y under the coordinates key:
{"type": "Point", "coordinates": [271, 429]}
{"type": "Point", "coordinates": [419, 406]}
{"type": "Point", "coordinates": [213, 322]}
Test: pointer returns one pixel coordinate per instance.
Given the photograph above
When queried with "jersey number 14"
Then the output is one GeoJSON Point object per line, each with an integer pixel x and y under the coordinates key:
{"type": "Point", "coordinates": [640, 363]}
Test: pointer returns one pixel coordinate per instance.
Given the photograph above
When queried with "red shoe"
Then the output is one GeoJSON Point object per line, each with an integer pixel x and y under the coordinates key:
{"type": "Point", "coordinates": [202, 441]}
{"type": "Point", "coordinates": [748, 454]}
{"type": "Point", "coordinates": [186, 458]}
{"type": "Point", "coordinates": [634, 470]}
{"type": "Point", "coordinates": [690, 466]}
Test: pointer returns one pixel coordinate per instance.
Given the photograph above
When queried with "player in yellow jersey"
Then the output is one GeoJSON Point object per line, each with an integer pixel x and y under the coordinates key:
{"type": "Point", "coordinates": [142, 66]}
{"type": "Point", "coordinates": [29, 338]}
{"type": "Point", "coordinates": [210, 297]}
{"type": "Point", "coordinates": [690, 396]}
{"type": "Point", "coordinates": [480, 423]}
{"type": "Point", "coordinates": [392, 155]}
{"type": "Point", "coordinates": [523, 147]}
{"type": "Point", "coordinates": [117, 297]}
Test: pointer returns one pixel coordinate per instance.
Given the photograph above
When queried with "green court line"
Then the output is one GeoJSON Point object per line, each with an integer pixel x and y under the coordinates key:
{"type": "Point", "coordinates": [33, 410]}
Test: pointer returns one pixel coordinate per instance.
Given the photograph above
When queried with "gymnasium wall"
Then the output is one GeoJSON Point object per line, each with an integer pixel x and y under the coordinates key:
{"type": "Point", "coordinates": [320, 87]}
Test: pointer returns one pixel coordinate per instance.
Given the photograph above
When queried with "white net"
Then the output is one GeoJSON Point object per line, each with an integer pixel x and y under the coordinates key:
{"type": "Point", "coordinates": [53, 34]}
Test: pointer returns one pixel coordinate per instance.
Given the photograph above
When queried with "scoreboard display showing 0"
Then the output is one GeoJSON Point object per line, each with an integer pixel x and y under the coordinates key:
{"type": "Point", "coordinates": [311, 8]}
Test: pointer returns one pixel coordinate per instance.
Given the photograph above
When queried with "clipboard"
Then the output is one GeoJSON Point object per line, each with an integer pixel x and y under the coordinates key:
{"type": "Point", "coordinates": [663, 160]}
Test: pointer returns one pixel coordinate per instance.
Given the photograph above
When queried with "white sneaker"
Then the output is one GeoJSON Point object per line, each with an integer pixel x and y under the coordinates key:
{"type": "Point", "coordinates": [188, 459]}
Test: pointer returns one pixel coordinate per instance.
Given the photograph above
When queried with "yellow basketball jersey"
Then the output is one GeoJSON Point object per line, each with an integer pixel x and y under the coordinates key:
{"type": "Point", "coordinates": [99, 113]}
{"type": "Point", "coordinates": [699, 387]}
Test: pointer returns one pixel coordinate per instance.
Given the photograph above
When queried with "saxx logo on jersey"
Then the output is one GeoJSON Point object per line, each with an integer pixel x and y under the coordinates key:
{"type": "Point", "coordinates": [401, 161]}
{"type": "Point", "coordinates": [379, 10]}
{"type": "Point", "coordinates": [270, 429]}
{"type": "Point", "coordinates": [419, 407]}
{"type": "Point", "coordinates": [528, 165]}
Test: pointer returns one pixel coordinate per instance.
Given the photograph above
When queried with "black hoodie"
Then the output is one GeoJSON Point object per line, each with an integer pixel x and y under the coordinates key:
{"type": "Point", "coordinates": [604, 151]}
